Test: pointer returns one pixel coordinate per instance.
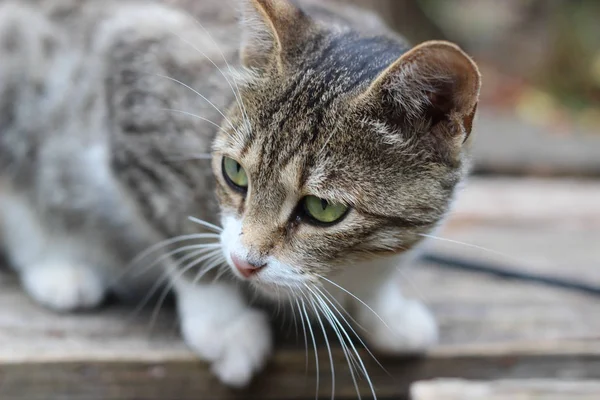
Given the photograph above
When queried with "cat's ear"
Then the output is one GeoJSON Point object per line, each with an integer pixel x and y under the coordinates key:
{"type": "Point", "coordinates": [273, 30]}
{"type": "Point", "coordinates": [436, 83]}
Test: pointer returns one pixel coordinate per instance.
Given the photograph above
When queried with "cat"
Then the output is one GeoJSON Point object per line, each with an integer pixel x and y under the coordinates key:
{"type": "Point", "coordinates": [314, 148]}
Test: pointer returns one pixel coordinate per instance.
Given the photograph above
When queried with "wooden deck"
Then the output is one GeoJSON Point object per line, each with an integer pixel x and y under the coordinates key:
{"type": "Point", "coordinates": [492, 329]}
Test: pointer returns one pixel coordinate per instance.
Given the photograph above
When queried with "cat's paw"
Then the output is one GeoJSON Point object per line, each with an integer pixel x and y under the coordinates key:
{"type": "Point", "coordinates": [236, 349]}
{"type": "Point", "coordinates": [63, 286]}
{"type": "Point", "coordinates": [403, 326]}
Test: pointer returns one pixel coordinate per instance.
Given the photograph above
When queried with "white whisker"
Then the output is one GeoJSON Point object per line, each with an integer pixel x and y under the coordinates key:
{"type": "Point", "coordinates": [312, 335]}
{"type": "Point", "coordinates": [201, 156]}
{"type": "Point", "coordinates": [405, 276]}
{"type": "Point", "coordinates": [165, 276]}
{"type": "Point", "coordinates": [474, 246]}
{"type": "Point", "coordinates": [305, 336]}
{"type": "Point", "coordinates": [331, 297]}
{"type": "Point", "coordinates": [201, 96]}
{"type": "Point", "coordinates": [192, 115]}
{"type": "Point", "coordinates": [293, 312]}
{"type": "Point", "coordinates": [326, 298]}
{"type": "Point", "coordinates": [235, 93]}
{"type": "Point", "coordinates": [215, 261]}
{"type": "Point", "coordinates": [349, 357]}
{"type": "Point", "coordinates": [170, 285]}
{"type": "Point", "coordinates": [363, 368]}
{"type": "Point", "coordinates": [171, 241]}
{"type": "Point", "coordinates": [206, 224]}
{"type": "Point", "coordinates": [318, 315]}
{"type": "Point", "coordinates": [239, 95]}
{"type": "Point", "coordinates": [357, 299]}
{"type": "Point", "coordinates": [222, 272]}
{"type": "Point", "coordinates": [203, 246]}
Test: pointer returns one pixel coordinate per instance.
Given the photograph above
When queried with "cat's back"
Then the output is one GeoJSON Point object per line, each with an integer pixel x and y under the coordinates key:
{"type": "Point", "coordinates": [134, 88]}
{"type": "Point", "coordinates": [110, 68]}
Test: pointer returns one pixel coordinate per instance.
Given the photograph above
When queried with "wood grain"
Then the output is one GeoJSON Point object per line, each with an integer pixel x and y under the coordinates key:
{"type": "Point", "coordinates": [491, 329]}
{"type": "Point", "coordinates": [446, 389]}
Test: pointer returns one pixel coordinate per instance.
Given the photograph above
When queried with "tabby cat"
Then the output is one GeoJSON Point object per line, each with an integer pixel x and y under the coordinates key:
{"type": "Point", "coordinates": [314, 148]}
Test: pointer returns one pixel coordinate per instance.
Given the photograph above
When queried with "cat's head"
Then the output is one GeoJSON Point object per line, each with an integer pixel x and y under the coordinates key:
{"type": "Point", "coordinates": [342, 148]}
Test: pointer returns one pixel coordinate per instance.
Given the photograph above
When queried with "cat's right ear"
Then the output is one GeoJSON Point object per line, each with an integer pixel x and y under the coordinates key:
{"type": "Point", "coordinates": [273, 32]}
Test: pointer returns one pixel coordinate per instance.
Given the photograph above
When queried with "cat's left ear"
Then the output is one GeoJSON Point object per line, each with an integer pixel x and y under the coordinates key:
{"type": "Point", "coordinates": [273, 32]}
{"type": "Point", "coordinates": [436, 83]}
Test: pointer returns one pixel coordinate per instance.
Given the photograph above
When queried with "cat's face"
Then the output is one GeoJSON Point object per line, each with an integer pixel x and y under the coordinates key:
{"type": "Point", "coordinates": [343, 151]}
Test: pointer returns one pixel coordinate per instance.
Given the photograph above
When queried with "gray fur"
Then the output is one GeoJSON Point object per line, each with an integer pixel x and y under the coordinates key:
{"type": "Point", "coordinates": [334, 105]}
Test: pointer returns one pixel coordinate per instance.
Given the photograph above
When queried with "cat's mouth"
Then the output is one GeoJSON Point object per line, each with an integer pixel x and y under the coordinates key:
{"type": "Point", "coordinates": [272, 277]}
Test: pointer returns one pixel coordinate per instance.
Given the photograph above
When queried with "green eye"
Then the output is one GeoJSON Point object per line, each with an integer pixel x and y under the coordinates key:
{"type": "Point", "coordinates": [323, 210]}
{"type": "Point", "coordinates": [234, 174]}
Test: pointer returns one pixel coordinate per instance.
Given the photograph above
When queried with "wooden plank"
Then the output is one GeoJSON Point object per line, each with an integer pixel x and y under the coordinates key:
{"type": "Point", "coordinates": [285, 378]}
{"type": "Point", "coordinates": [491, 328]}
{"type": "Point", "coordinates": [542, 226]}
{"type": "Point", "coordinates": [110, 354]}
{"type": "Point", "coordinates": [446, 389]}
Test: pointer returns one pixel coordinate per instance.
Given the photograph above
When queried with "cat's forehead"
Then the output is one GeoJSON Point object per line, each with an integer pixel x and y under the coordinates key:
{"type": "Point", "coordinates": [339, 163]}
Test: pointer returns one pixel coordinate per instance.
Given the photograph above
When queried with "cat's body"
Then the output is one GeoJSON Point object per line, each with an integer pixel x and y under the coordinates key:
{"type": "Point", "coordinates": [107, 111]}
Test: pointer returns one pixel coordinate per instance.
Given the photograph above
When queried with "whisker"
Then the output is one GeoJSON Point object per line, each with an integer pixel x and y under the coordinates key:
{"type": "Point", "coordinates": [331, 297]}
{"type": "Point", "coordinates": [239, 96]}
{"type": "Point", "coordinates": [206, 224]}
{"type": "Point", "coordinates": [192, 115]}
{"type": "Point", "coordinates": [304, 334]}
{"type": "Point", "coordinates": [358, 358]}
{"type": "Point", "coordinates": [312, 335]}
{"type": "Point", "coordinates": [236, 94]}
{"type": "Point", "coordinates": [474, 246]}
{"type": "Point", "coordinates": [165, 276]}
{"type": "Point", "coordinates": [201, 96]}
{"type": "Point", "coordinates": [328, 348]}
{"type": "Point", "coordinates": [405, 276]}
{"type": "Point", "coordinates": [212, 262]}
{"type": "Point", "coordinates": [171, 241]}
{"type": "Point", "coordinates": [349, 357]}
{"type": "Point", "coordinates": [201, 156]}
{"type": "Point", "coordinates": [327, 309]}
{"type": "Point", "coordinates": [349, 326]}
{"type": "Point", "coordinates": [203, 246]}
{"type": "Point", "coordinates": [170, 285]}
{"type": "Point", "coordinates": [294, 321]}
{"type": "Point", "coordinates": [355, 297]}
{"type": "Point", "coordinates": [222, 272]}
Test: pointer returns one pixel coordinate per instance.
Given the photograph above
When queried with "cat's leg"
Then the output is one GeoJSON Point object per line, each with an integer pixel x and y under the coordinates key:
{"type": "Point", "coordinates": [392, 323]}
{"type": "Point", "coordinates": [52, 266]}
{"type": "Point", "coordinates": [218, 324]}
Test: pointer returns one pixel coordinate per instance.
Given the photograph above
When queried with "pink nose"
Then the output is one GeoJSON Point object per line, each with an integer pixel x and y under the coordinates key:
{"type": "Point", "coordinates": [244, 267]}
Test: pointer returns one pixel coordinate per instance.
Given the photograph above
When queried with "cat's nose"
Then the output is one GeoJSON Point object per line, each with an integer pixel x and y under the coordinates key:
{"type": "Point", "coordinates": [246, 268]}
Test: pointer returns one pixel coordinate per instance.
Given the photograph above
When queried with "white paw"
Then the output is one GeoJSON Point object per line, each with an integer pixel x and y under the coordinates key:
{"type": "Point", "coordinates": [236, 349]}
{"type": "Point", "coordinates": [63, 286]}
{"type": "Point", "coordinates": [406, 326]}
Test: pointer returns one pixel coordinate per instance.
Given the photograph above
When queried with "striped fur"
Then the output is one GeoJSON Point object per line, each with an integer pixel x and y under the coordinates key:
{"type": "Point", "coordinates": [110, 114]}
{"type": "Point", "coordinates": [331, 117]}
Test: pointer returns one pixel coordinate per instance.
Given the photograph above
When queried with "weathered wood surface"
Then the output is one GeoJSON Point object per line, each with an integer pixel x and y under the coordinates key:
{"type": "Point", "coordinates": [506, 144]}
{"type": "Point", "coordinates": [491, 328]}
{"type": "Point", "coordinates": [446, 389]}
